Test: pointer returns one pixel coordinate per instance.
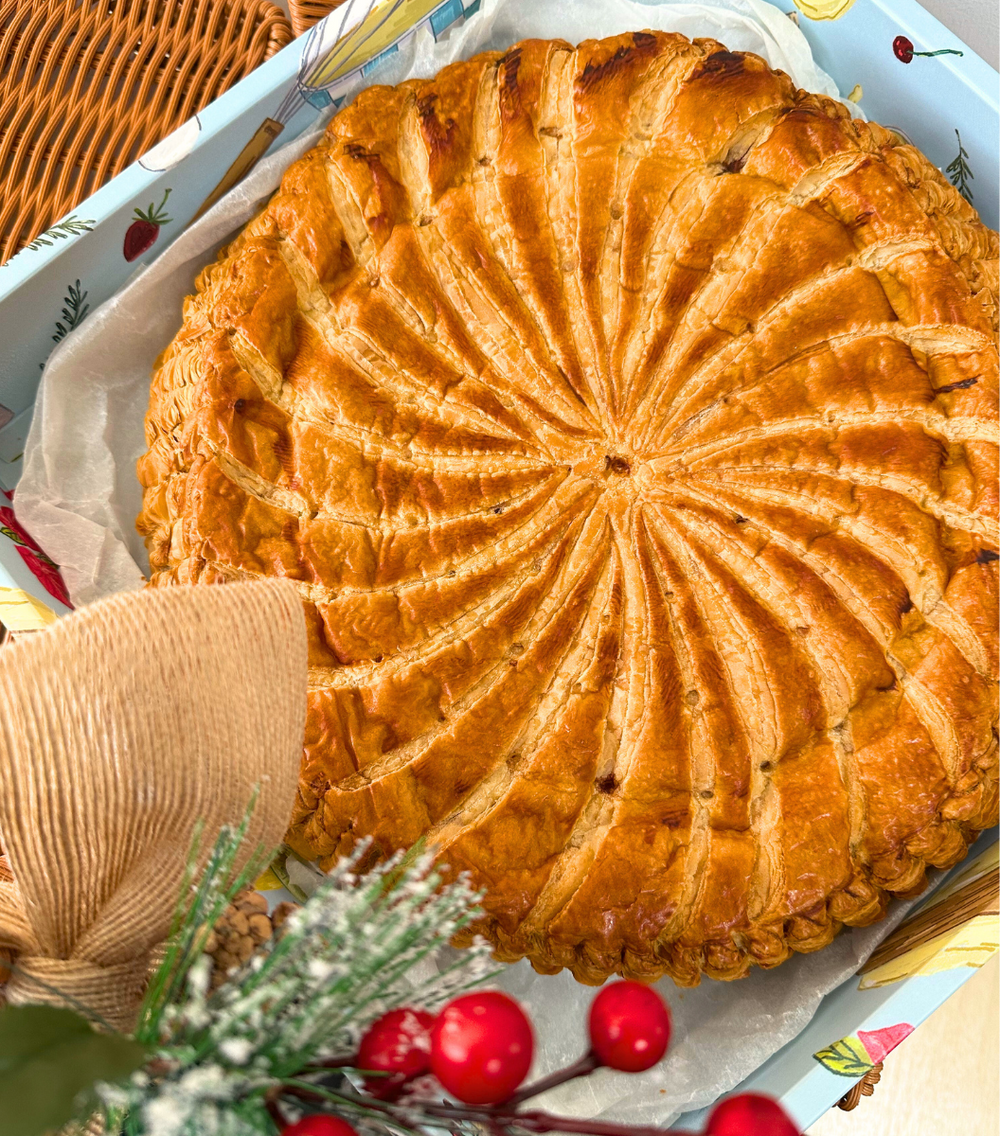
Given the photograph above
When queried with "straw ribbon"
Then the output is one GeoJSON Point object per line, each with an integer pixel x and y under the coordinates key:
{"type": "Point", "coordinates": [120, 728]}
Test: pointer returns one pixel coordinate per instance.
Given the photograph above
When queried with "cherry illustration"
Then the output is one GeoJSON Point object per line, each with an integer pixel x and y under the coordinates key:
{"type": "Point", "coordinates": [902, 48]}
{"type": "Point", "coordinates": [144, 230]}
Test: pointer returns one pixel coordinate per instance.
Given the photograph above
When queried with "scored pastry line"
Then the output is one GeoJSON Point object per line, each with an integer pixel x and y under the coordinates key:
{"type": "Point", "coordinates": [570, 868]}
{"type": "Point", "coordinates": [857, 530]}
{"type": "Point", "coordinates": [924, 702]}
{"type": "Point", "coordinates": [509, 254]}
{"type": "Point", "coordinates": [746, 476]}
{"type": "Point", "coordinates": [760, 751]}
{"type": "Point", "coordinates": [698, 847]}
{"type": "Point", "coordinates": [348, 210]}
{"type": "Point", "coordinates": [555, 143]}
{"type": "Point", "coordinates": [547, 609]}
{"type": "Point", "coordinates": [811, 288]}
{"type": "Point", "coordinates": [933, 339]}
{"type": "Point", "coordinates": [957, 430]}
{"type": "Point", "coordinates": [771, 592]}
{"type": "Point", "coordinates": [352, 675]}
{"type": "Point", "coordinates": [529, 531]}
{"type": "Point", "coordinates": [816, 181]}
{"type": "Point", "coordinates": [297, 504]}
{"type": "Point", "coordinates": [578, 658]}
{"type": "Point", "coordinates": [755, 706]}
{"type": "Point", "coordinates": [319, 311]}
{"type": "Point", "coordinates": [842, 737]}
{"type": "Point", "coordinates": [310, 412]}
{"type": "Point", "coordinates": [375, 366]}
{"type": "Point", "coordinates": [635, 357]}
{"type": "Point", "coordinates": [465, 292]}
{"type": "Point", "coordinates": [734, 249]}
{"type": "Point", "coordinates": [955, 517]}
{"type": "Point", "coordinates": [554, 94]}
{"type": "Point", "coordinates": [930, 604]}
{"type": "Point", "coordinates": [939, 725]}
{"type": "Point", "coordinates": [755, 127]}
{"type": "Point", "coordinates": [566, 223]}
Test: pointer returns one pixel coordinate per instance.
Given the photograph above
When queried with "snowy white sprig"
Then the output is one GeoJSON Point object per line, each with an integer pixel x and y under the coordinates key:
{"type": "Point", "coordinates": [348, 955]}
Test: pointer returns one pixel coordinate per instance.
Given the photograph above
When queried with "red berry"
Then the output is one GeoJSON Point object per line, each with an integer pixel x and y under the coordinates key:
{"type": "Point", "coordinates": [629, 1026]}
{"type": "Point", "coordinates": [319, 1124]}
{"type": "Point", "coordinates": [481, 1047]}
{"type": "Point", "coordinates": [902, 48]}
{"type": "Point", "coordinates": [749, 1114]}
{"type": "Point", "coordinates": [399, 1044]}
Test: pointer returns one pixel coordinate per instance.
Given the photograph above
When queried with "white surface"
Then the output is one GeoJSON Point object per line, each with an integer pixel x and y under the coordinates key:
{"type": "Point", "coordinates": [975, 21]}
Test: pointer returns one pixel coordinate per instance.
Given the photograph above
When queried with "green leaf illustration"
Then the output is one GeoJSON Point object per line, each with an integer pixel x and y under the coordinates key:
{"type": "Point", "coordinates": [61, 231]}
{"type": "Point", "coordinates": [49, 1061]}
{"type": "Point", "coordinates": [74, 311]}
{"type": "Point", "coordinates": [960, 173]}
{"type": "Point", "coordinates": [846, 1058]}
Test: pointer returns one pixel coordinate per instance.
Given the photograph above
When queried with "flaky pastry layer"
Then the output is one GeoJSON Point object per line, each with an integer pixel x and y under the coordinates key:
{"type": "Point", "coordinates": [628, 419]}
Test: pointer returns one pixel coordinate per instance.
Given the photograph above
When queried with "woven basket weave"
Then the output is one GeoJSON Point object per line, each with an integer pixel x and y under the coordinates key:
{"type": "Point", "coordinates": [87, 87]}
{"type": "Point", "coordinates": [305, 13]}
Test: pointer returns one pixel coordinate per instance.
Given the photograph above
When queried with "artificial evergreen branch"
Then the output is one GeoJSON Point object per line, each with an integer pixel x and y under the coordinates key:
{"type": "Point", "coordinates": [341, 960]}
{"type": "Point", "coordinates": [319, 1026]}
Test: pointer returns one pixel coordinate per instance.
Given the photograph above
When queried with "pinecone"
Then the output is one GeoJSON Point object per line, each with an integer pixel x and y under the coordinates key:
{"type": "Point", "coordinates": [241, 928]}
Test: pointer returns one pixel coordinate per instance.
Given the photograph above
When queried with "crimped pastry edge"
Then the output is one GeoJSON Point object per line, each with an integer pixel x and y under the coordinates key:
{"type": "Point", "coordinates": [962, 813]}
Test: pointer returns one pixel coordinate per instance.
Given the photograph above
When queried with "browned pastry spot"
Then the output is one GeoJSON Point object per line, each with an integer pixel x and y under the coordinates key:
{"type": "Point", "coordinates": [628, 419]}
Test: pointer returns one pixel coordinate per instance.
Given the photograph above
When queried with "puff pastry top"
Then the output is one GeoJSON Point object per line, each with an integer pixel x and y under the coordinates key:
{"type": "Point", "coordinates": [628, 419]}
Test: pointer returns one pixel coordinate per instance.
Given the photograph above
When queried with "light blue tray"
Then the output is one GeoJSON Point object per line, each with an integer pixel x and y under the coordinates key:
{"type": "Point", "coordinates": [939, 103]}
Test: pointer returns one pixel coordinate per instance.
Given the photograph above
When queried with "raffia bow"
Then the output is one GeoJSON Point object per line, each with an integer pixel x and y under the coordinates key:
{"type": "Point", "coordinates": [121, 727]}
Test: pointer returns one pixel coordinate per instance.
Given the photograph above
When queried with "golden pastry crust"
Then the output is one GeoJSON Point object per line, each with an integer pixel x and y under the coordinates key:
{"type": "Point", "coordinates": [628, 418]}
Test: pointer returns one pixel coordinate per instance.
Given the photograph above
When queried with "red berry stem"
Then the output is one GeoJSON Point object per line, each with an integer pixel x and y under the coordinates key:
{"type": "Point", "coordinates": [274, 1109]}
{"type": "Point", "coordinates": [582, 1068]}
{"type": "Point", "coordinates": [544, 1122]}
{"type": "Point", "coordinates": [334, 1063]}
{"type": "Point", "coordinates": [943, 51]}
{"type": "Point", "coordinates": [490, 1116]}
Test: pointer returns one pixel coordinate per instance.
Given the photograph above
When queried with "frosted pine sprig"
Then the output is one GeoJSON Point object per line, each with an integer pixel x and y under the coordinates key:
{"type": "Point", "coordinates": [304, 998]}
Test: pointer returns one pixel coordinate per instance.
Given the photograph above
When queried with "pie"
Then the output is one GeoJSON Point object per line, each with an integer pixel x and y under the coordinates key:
{"type": "Point", "coordinates": [628, 418]}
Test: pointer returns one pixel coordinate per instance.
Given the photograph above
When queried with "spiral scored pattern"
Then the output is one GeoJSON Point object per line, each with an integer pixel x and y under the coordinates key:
{"type": "Point", "coordinates": [628, 420]}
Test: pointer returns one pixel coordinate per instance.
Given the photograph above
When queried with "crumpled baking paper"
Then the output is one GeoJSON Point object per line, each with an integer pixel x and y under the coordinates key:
{"type": "Point", "coordinates": [79, 497]}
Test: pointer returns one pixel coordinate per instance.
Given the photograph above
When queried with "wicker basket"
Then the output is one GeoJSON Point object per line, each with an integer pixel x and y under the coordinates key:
{"type": "Point", "coordinates": [305, 13]}
{"type": "Point", "coordinates": [87, 87]}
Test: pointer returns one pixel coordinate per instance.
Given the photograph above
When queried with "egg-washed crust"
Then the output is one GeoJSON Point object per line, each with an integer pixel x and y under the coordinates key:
{"type": "Point", "coordinates": [628, 418]}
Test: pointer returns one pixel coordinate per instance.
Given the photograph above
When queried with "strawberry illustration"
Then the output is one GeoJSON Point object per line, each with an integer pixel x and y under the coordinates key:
{"type": "Point", "coordinates": [902, 48]}
{"type": "Point", "coordinates": [144, 230]}
{"type": "Point", "coordinates": [881, 1042]}
{"type": "Point", "coordinates": [45, 570]}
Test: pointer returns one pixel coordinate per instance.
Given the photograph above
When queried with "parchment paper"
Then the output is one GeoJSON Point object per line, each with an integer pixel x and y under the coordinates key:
{"type": "Point", "coordinates": [79, 497]}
